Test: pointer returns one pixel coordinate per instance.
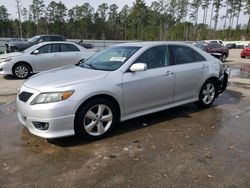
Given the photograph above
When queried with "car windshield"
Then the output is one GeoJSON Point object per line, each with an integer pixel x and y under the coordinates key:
{"type": "Point", "coordinates": [33, 39]}
{"type": "Point", "coordinates": [32, 48]}
{"type": "Point", "coordinates": [110, 59]}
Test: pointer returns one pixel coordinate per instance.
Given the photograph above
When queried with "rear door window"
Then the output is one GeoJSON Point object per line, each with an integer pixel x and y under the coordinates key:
{"type": "Point", "coordinates": [185, 54]}
{"type": "Point", "coordinates": [68, 48]}
{"type": "Point", "coordinates": [57, 38]}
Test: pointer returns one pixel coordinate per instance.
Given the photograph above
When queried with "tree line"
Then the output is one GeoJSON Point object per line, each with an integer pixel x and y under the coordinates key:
{"type": "Point", "coordinates": [162, 20]}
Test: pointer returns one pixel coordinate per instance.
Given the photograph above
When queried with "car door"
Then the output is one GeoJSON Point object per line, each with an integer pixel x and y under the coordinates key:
{"type": "Point", "coordinates": [46, 58]}
{"type": "Point", "coordinates": [151, 88]}
{"type": "Point", "coordinates": [215, 48]}
{"type": "Point", "coordinates": [190, 69]}
{"type": "Point", "coordinates": [68, 54]}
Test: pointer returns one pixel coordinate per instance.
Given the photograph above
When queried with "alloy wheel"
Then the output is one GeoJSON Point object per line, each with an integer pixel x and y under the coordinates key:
{"type": "Point", "coordinates": [98, 120]}
{"type": "Point", "coordinates": [208, 93]}
{"type": "Point", "coordinates": [21, 71]}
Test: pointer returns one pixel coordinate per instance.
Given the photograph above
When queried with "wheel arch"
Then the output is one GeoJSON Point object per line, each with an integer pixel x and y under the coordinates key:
{"type": "Point", "coordinates": [101, 96]}
{"type": "Point", "coordinates": [22, 62]}
{"type": "Point", "coordinates": [215, 80]}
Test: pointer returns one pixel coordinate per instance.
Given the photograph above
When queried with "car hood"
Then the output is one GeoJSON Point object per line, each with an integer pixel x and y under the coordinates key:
{"type": "Point", "coordinates": [13, 54]}
{"type": "Point", "coordinates": [18, 43]}
{"type": "Point", "coordinates": [63, 77]}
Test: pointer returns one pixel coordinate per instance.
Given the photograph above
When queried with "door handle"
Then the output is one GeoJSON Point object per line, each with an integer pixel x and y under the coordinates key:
{"type": "Point", "coordinates": [169, 73]}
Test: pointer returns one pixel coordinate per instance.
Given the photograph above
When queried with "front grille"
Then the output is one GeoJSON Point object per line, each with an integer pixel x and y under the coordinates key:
{"type": "Point", "coordinates": [24, 96]}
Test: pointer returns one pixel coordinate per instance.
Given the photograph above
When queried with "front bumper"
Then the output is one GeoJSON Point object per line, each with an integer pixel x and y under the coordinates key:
{"type": "Point", "coordinates": [5, 69]}
{"type": "Point", "coordinates": [57, 115]}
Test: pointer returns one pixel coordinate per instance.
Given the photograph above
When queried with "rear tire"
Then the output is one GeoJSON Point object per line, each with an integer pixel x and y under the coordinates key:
{"type": "Point", "coordinates": [21, 71]}
{"type": "Point", "coordinates": [243, 57]}
{"type": "Point", "coordinates": [95, 119]}
{"type": "Point", "coordinates": [224, 58]}
{"type": "Point", "coordinates": [207, 94]}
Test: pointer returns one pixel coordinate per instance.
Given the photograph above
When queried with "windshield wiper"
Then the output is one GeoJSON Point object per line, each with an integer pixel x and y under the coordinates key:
{"type": "Point", "coordinates": [90, 66]}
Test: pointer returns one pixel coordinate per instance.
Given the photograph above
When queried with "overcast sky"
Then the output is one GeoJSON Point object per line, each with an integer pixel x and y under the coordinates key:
{"type": "Point", "coordinates": [11, 6]}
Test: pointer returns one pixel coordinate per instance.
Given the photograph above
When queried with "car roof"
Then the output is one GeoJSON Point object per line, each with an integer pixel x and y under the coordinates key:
{"type": "Point", "coordinates": [144, 44]}
{"type": "Point", "coordinates": [50, 35]}
{"type": "Point", "coordinates": [53, 42]}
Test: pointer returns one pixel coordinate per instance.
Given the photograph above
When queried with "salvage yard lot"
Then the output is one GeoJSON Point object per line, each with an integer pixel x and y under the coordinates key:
{"type": "Point", "coordinates": [181, 146]}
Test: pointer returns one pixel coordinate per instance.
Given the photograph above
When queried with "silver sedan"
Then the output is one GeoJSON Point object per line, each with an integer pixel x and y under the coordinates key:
{"type": "Point", "coordinates": [41, 57]}
{"type": "Point", "coordinates": [117, 84]}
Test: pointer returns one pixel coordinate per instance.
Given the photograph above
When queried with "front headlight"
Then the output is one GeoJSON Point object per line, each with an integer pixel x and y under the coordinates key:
{"type": "Point", "coordinates": [51, 97]}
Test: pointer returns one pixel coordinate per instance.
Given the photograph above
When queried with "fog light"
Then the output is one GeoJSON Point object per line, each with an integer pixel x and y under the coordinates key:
{"type": "Point", "coordinates": [41, 125]}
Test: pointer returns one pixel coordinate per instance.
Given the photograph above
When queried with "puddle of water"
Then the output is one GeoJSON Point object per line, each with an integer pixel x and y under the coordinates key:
{"type": "Point", "coordinates": [242, 72]}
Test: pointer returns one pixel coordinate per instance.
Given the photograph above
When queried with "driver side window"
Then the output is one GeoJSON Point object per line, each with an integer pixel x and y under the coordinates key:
{"type": "Point", "coordinates": [155, 57]}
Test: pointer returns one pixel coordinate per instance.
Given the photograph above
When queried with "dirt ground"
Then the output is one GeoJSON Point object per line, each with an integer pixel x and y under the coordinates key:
{"type": "Point", "coordinates": [180, 147]}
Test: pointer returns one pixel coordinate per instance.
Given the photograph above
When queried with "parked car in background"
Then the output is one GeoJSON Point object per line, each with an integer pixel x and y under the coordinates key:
{"type": "Point", "coordinates": [41, 57]}
{"type": "Point", "coordinates": [20, 45]}
{"type": "Point", "coordinates": [214, 41]}
{"type": "Point", "coordinates": [245, 52]}
{"type": "Point", "coordinates": [85, 45]}
{"type": "Point", "coordinates": [231, 45]}
{"type": "Point", "coordinates": [122, 82]}
{"type": "Point", "coordinates": [214, 49]}
{"type": "Point", "coordinates": [240, 46]}
{"type": "Point", "coordinates": [15, 40]}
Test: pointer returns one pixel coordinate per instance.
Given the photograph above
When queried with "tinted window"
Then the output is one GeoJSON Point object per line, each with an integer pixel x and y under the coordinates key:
{"type": "Point", "coordinates": [49, 48]}
{"type": "Point", "coordinates": [68, 48]}
{"type": "Point", "coordinates": [45, 38]}
{"type": "Point", "coordinates": [57, 38]}
{"type": "Point", "coordinates": [184, 54]}
{"type": "Point", "coordinates": [155, 57]}
{"type": "Point", "coordinates": [215, 45]}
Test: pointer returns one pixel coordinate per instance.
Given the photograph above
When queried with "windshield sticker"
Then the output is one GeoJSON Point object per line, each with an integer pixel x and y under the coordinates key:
{"type": "Point", "coordinates": [117, 58]}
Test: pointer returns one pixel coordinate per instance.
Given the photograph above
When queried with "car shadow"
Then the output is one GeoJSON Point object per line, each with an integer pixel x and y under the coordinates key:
{"type": "Point", "coordinates": [184, 111]}
{"type": "Point", "coordinates": [9, 77]}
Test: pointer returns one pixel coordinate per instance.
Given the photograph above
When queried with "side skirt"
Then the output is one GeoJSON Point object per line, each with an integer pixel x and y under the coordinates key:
{"type": "Point", "coordinates": [157, 109]}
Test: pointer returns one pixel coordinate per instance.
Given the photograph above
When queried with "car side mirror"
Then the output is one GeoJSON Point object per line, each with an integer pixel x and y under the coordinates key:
{"type": "Point", "coordinates": [138, 67]}
{"type": "Point", "coordinates": [36, 52]}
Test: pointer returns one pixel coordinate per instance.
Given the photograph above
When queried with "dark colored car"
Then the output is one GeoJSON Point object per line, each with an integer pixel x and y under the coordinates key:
{"type": "Point", "coordinates": [245, 52]}
{"type": "Point", "coordinates": [85, 45]}
{"type": "Point", "coordinates": [17, 45]}
{"type": "Point", "coordinates": [215, 49]}
{"type": "Point", "coordinates": [231, 45]}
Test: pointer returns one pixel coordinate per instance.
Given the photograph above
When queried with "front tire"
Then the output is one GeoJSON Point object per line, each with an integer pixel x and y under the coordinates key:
{"type": "Point", "coordinates": [207, 94]}
{"type": "Point", "coordinates": [21, 71]}
{"type": "Point", "coordinates": [95, 119]}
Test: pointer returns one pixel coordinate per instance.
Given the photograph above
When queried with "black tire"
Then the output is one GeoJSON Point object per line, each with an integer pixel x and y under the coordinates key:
{"type": "Point", "coordinates": [224, 58]}
{"type": "Point", "coordinates": [21, 71]}
{"type": "Point", "coordinates": [243, 57]}
{"type": "Point", "coordinates": [81, 119]}
{"type": "Point", "coordinates": [213, 95]}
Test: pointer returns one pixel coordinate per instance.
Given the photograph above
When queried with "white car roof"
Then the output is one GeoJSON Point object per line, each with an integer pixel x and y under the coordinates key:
{"type": "Point", "coordinates": [144, 44]}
